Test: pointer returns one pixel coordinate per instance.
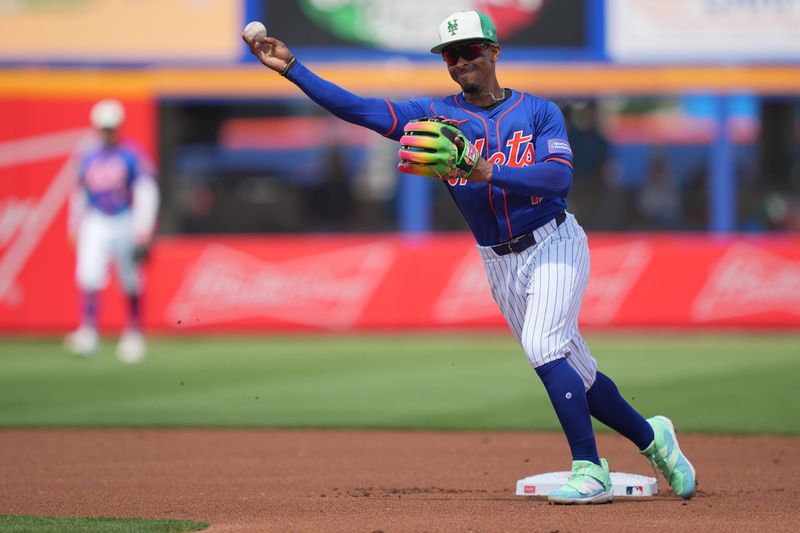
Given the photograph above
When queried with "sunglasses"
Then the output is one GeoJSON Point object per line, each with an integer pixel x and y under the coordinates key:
{"type": "Point", "coordinates": [468, 51]}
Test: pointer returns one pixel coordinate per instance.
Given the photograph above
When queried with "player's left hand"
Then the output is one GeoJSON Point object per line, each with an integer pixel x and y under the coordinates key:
{"type": "Point", "coordinates": [436, 148]}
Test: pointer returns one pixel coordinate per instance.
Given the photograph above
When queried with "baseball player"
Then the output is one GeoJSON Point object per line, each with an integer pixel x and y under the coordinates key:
{"type": "Point", "coordinates": [505, 158]}
{"type": "Point", "coordinates": [111, 218]}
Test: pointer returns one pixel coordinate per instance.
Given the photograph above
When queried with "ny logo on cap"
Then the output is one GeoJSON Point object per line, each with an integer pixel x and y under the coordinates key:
{"type": "Point", "coordinates": [452, 26]}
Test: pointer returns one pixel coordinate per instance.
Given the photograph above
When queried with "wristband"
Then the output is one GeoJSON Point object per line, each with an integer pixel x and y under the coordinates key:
{"type": "Point", "coordinates": [289, 64]}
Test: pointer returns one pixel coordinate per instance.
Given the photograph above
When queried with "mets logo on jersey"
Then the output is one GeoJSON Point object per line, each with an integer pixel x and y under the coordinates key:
{"type": "Point", "coordinates": [520, 153]}
{"type": "Point", "coordinates": [106, 173]}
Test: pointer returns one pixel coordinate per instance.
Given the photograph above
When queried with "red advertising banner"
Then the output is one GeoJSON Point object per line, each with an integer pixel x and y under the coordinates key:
{"type": "Point", "coordinates": [40, 146]}
{"type": "Point", "coordinates": [347, 283]}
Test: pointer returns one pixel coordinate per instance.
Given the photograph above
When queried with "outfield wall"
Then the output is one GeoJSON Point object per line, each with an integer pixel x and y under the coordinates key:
{"type": "Point", "coordinates": [358, 282]}
{"type": "Point", "coordinates": [277, 283]}
{"type": "Point", "coordinates": [344, 283]}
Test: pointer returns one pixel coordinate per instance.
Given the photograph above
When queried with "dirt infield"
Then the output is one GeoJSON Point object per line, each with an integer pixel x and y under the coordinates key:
{"type": "Point", "coordinates": [368, 481]}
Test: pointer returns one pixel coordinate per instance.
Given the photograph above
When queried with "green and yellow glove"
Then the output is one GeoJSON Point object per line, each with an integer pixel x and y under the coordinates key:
{"type": "Point", "coordinates": [435, 147]}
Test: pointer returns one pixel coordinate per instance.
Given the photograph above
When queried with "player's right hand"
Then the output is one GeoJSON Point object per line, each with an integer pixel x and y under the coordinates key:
{"type": "Point", "coordinates": [270, 51]}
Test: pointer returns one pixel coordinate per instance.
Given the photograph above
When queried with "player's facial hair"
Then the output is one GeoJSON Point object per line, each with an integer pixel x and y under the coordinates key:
{"type": "Point", "coordinates": [470, 87]}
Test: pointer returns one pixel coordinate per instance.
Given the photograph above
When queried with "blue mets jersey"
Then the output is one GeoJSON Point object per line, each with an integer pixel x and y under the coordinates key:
{"type": "Point", "coordinates": [107, 175]}
{"type": "Point", "coordinates": [524, 136]}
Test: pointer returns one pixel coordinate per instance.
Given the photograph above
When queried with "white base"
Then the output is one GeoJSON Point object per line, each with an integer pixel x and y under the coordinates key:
{"type": "Point", "coordinates": [624, 484]}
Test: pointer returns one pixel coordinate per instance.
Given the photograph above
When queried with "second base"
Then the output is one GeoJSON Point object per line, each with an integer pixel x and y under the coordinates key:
{"type": "Point", "coordinates": [624, 484]}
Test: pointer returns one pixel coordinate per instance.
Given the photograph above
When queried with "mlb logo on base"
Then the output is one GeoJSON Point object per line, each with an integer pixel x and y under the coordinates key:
{"type": "Point", "coordinates": [634, 490]}
{"type": "Point", "coordinates": [529, 489]}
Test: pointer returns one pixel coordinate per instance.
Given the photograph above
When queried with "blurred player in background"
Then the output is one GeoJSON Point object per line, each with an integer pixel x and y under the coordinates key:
{"type": "Point", "coordinates": [112, 217]}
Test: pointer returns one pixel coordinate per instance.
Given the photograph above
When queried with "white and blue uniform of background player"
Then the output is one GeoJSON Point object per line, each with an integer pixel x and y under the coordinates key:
{"type": "Point", "coordinates": [112, 218]}
{"type": "Point", "coordinates": [535, 253]}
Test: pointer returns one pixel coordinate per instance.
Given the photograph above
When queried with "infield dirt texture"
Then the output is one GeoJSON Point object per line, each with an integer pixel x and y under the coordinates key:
{"type": "Point", "coordinates": [368, 481]}
{"type": "Point", "coordinates": [421, 433]}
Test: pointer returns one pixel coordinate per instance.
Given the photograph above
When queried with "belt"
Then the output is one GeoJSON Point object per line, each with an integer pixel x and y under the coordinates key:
{"type": "Point", "coordinates": [523, 242]}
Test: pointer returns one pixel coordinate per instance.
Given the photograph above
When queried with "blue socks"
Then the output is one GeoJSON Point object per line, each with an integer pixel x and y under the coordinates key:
{"type": "Point", "coordinates": [574, 409]}
{"type": "Point", "coordinates": [609, 407]}
{"type": "Point", "coordinates": [565, 388]}
{"type": "Point", "coordinates": [89, 308]}
{"type": "Point", "coordinates": [135, 310]}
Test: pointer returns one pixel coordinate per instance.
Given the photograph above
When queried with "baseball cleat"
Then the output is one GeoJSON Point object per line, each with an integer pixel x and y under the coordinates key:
{"type": "Point", "coordinates": [132, 347]}
{"type": "Point", "coordinates": [665, 455]}
{"type": "Point", "coordinates": [588, 483]}
{"type": "Point", "coordinates": [83, 342]}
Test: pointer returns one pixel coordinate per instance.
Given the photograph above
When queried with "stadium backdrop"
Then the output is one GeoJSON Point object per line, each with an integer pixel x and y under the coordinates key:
{"type": "Point", "coordinates": [350, 282]}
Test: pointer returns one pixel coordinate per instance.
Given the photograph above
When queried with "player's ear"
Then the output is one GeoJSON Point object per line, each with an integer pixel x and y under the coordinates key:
{"type": "Point", "coordinates": [495, 52]}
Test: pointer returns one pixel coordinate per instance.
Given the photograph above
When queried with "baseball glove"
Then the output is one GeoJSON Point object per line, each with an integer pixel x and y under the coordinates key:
{"type": "Point", "coordinates": [141, 252]}
{"type": "Point", "coordinates": [435, 147]}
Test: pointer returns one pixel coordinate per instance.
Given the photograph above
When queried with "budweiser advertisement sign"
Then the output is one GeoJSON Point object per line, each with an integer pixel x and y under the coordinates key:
{"type": "Point", "coordinates": [749, 280]}
{"type": "Point", "coordinates": [360, 283]}
{"type": "Point", "coordinates": [328, 290]}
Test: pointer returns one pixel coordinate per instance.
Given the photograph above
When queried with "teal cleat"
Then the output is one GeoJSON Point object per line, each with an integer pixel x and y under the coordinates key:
{"type": "Point", "coordinates": [588, 483]}
{"type": "Point", "coordinates": [665, 455]}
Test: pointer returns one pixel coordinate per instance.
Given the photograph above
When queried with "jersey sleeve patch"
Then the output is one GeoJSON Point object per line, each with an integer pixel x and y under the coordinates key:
{"type": "Point", "coordinates": [558, 146]}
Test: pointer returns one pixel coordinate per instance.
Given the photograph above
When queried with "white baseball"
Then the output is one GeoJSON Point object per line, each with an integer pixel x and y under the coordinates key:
{"type": "Point", "coordinates": [255, 31]}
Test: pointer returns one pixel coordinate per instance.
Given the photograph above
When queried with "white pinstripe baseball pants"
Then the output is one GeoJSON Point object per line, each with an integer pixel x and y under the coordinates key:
{"type": "Point", "coordinates": [102, 239]}
{"type": "Point", "coordinates": [540, 291]}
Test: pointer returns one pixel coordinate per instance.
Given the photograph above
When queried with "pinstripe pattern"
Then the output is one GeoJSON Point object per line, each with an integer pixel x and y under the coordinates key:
{"type": "Point", "coordinates": [540, 291]}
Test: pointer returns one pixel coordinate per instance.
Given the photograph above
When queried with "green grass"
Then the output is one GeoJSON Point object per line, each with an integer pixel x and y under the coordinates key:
{"type": "Point", "coordinates": [732, 383]}
{"type": "Point", "coordinates": [45, 524]}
